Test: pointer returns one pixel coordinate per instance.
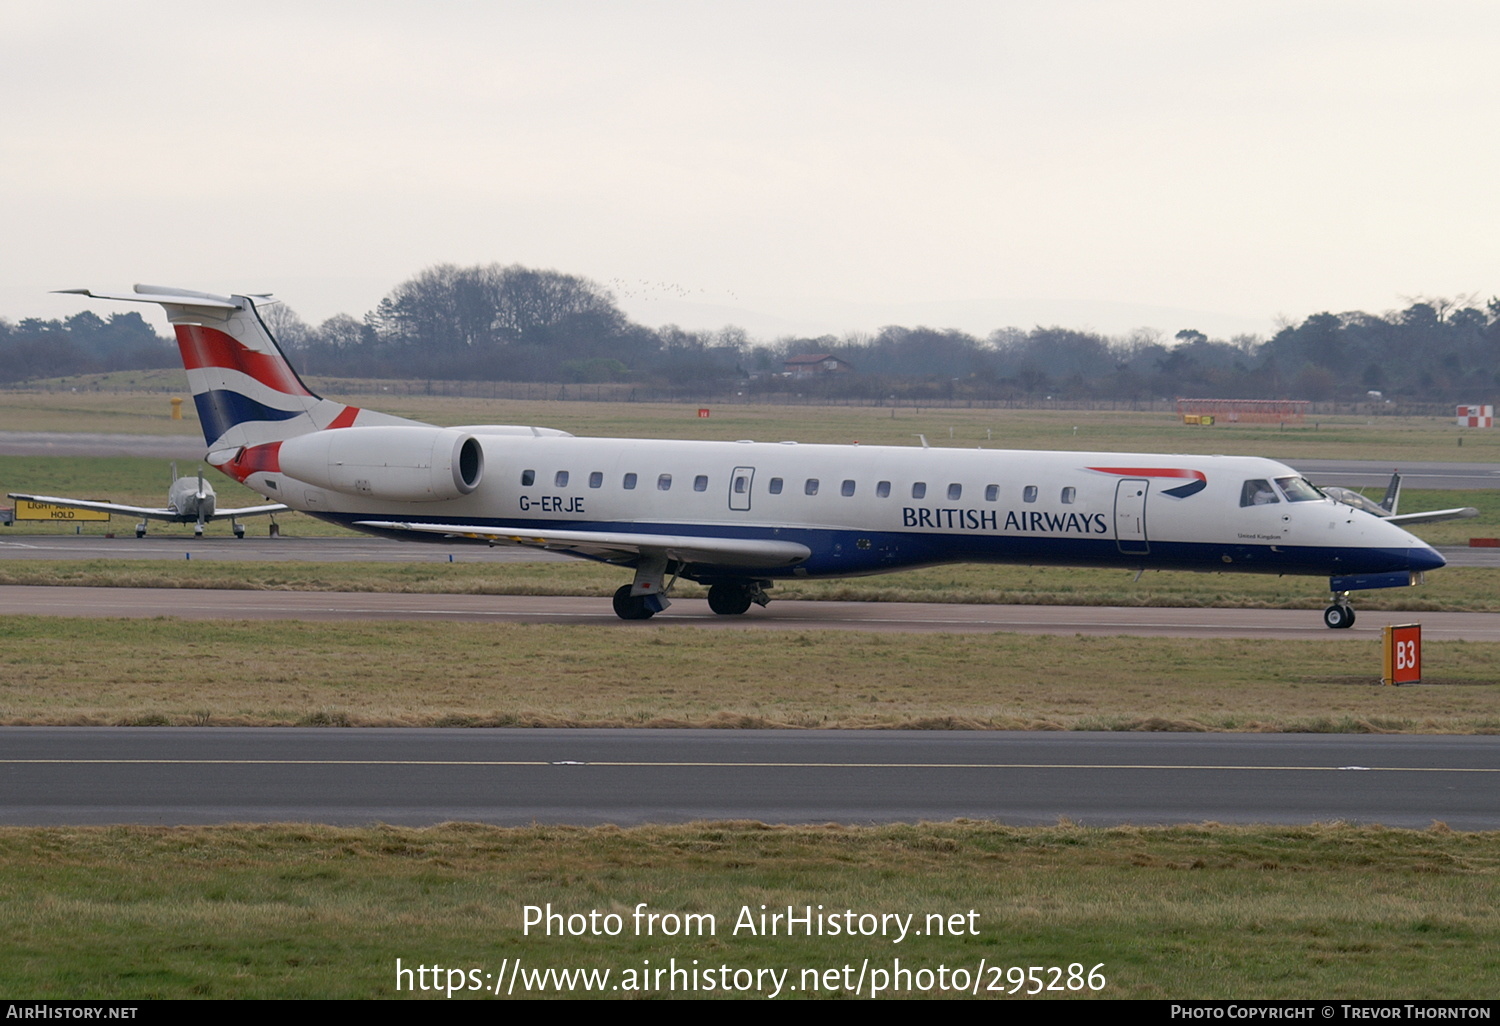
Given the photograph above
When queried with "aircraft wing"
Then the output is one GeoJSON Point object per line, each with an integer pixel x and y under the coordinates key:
{"type": "Point", "coordinates": [612, 544]}
{"type": "Point", "coordinates": [1434, 516]}
{"type": "Point", "coordinates": [249, 511]}
{"type": "Point", "coordinates": [100, 507]}
{"type": "Point", "coordinates": [150, 512]}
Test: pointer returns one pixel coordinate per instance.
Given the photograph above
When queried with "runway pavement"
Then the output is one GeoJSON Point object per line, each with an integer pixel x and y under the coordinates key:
{"type": "Point", "coordinates": [417, 777]}
{"type": "Point", "coordinates": [885, 617]}
{"type": "Point", "coordinates": [1420, 474]}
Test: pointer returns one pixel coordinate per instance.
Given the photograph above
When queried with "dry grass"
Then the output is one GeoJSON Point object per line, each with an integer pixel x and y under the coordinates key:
{"type": "Point", "coordinates": [1328, 911]}
{"type": "Point", "coordinates": [152, 672]}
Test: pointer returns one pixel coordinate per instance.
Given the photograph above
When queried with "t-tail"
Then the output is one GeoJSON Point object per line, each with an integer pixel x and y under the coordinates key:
{"type": "Point", "coordinates": [246, 392]}
{"type": "Point", "coordinates": [247, 395]}
{"type": "Point", "coordinates": [268, 430]}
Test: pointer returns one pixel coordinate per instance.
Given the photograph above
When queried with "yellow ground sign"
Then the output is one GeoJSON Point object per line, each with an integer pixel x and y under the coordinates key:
{"type": "Point", "coordinates": [28, 510]}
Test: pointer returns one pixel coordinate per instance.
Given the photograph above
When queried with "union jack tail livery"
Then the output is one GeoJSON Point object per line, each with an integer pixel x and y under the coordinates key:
{"type": "Point", "coordinates": [246, 392]}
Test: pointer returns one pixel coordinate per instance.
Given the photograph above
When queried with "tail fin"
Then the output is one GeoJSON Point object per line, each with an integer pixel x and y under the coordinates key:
{"type": "Point", "coordinates": [1392, 494]}
{"type": "Point", "coordinates": [246, 392]}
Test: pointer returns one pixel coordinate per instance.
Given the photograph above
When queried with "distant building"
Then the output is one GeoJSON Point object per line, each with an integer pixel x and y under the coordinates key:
{"type": "Point", "coordinates": [814, 364]}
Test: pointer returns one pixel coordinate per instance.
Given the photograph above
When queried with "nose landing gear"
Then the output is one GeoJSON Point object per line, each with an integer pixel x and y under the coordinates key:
{"type": "Point", "coordinates": [1341, 614]}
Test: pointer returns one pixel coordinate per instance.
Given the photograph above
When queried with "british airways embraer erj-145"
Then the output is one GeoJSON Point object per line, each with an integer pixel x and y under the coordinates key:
{"type": "Point", "coordinates": [736, 516]}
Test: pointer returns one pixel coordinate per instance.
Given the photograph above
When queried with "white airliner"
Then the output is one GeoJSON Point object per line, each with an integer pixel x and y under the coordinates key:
{"type": "Point", "coordinates": [737, 516]}
{"type": "Point", "coordinates": [188, 502]}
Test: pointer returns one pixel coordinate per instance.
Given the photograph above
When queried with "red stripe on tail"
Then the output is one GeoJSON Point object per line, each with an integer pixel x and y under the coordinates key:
{"type": "Point", "coordinates": [208, 347]}
{"type": "Point", "coordinates": [345, 418]}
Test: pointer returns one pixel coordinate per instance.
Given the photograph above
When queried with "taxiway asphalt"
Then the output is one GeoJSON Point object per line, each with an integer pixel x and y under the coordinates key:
{"type": "Point", "coordinates": [60, 775]}
{"type": "Point", "coordinates": [883, 617]}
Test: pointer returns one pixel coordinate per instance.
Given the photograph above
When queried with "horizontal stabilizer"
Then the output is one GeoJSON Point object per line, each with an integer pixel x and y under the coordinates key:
{"type": "Point", "coordinates": [155, 294]}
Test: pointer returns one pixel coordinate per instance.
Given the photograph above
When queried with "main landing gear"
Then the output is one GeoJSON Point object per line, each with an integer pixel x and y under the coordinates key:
{"type": "Point", "coordinates": [732, 598]}
{"type": "Point", "coordinates": [647, 594]}
{"type": "Point", "coordinates": [637, 607]}
{"type": "Point", "coordinates": [1341, 613]}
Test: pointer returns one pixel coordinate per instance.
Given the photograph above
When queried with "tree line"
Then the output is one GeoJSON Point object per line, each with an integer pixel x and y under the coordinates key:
{"type": "Point", "coordinates": [495, 323]}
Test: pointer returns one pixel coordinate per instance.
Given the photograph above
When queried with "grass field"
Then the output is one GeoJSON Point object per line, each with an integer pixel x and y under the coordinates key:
{"type": "Point", "coordinates": [1188, 912]}
{"type": "Point", "coordinates": [1388, 439]}
{"type": "Point", "coordinates": [173, 672]}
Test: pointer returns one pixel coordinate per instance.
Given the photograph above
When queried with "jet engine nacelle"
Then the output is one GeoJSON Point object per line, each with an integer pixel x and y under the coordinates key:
{"type": "Point", "coordinates": [399, 464]}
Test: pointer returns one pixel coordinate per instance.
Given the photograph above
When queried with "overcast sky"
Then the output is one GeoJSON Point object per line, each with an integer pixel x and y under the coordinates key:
{"type": "Point", "coordinates": [785, 166]}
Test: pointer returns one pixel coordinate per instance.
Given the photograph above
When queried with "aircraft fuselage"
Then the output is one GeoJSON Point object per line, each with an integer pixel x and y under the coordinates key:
{"type": "Point", "coordinates": [869, 509]}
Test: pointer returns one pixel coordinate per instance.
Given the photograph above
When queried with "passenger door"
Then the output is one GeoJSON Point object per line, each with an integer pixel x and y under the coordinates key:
{"type": "Point", "coordinates": [1130, 517]}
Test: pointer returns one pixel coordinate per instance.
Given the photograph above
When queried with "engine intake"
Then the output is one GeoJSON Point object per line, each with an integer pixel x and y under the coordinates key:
{"type": "Point", "coordinates": [399, 464]}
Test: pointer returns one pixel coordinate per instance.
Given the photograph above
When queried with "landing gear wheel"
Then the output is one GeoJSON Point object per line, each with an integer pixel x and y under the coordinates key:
{"type": "Point", "coordinates": [631, 607]}
{"type": "Point", "coordinates": [140, 532]}
{"type": "Point", "coordinates": [1338, 617]}
{"type": "Point", "coordinates": [728, 599]}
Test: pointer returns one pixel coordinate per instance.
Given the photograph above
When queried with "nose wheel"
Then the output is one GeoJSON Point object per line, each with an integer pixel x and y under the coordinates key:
{"type": "Point", "coordinates": [1339, 615]}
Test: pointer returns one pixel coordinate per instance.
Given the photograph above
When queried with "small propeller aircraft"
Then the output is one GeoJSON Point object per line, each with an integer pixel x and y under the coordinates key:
{"type": "Point", "coordinates": [188, 502]}
{"type": "Point", "coordinates": [1386, 508]}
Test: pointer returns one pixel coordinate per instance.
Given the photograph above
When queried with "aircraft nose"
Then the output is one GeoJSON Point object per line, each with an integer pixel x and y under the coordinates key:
{"type": "Point", "coordinates": [1425, 557]}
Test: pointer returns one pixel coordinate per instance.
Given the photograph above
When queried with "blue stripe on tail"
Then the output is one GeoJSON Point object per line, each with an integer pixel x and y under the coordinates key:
{"type": "Point", "coordinates": [221, 409]}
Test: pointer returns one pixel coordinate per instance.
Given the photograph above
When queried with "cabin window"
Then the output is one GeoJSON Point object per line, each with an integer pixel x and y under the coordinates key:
{"type": "Point", "coordinates": [700, 483]}
{"type": "Point", "coordinates": [883, 490]}
{"type": "Point", "coordinates": [846, 489]}
{"type": "Point", "coordinates": [811, 487]}
{"type": "Point", "coordinates": [1068, 495]}
{"type": "Point", "coordinates": [528, 478]}
{"type": "Point", "coordinates": [1297, 489]}
{"type": "Point", "coordinates": [991, 493]}
{"type": "Point", "coordinates": [560, 479]}
{"type": "Point", "coordinates": [1029, 495]}
{"type": "Point", "coordinates": [596, 479]}
{"type": "Point", "coordinates": [955, 491]}
{"type": "Point", "coordinates": [741, 484]}
{"type": "Point", "coordinates": [919, 490]}
{"type": "Point", "coordinates": [629, 482]}
{"type": "Point", "coordinates": [1258, 492]}
{"type": "Point", "coordinates": [664, 483]}
{"type": "Point", "coordinates": [775, 486]}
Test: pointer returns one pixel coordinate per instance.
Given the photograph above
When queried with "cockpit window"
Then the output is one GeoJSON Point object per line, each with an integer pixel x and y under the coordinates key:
{"type": "Point", "coordinates": [1258, 493]}
{"type": "Point", "coordinates": [1298, 489]}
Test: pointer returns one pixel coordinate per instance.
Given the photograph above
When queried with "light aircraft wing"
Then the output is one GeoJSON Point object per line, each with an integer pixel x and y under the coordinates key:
{"type": "Point", "coordinates": [249, 511]}
{"type": "Point", "coordinates": [1434, 516]}
{"type": "Point", "coordinates": [150, 512]}
{"type": "Point", "coordinates": [101, 507]}
{"type": "Point", "coordinates": [618, 545]}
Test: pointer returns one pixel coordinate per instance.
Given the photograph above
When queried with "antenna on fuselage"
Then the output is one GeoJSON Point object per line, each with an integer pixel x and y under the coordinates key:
{"type": "Point", "coordinates": [924, 442]}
